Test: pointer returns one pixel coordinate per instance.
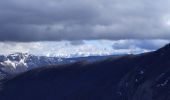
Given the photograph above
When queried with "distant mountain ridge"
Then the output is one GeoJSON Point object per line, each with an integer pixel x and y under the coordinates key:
{"type": "Point", "coordinates": [131, 77]}
{"type": "Point", "coordinates": [21, 62]}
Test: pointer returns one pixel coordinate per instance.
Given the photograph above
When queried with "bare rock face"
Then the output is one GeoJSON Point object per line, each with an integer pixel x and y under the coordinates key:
{"type": "Point", "coordinates": [133, 77]}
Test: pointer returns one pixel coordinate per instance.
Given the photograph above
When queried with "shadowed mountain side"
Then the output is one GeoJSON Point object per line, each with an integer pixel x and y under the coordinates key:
{"type": "Point", "coordinates": [126, 78]}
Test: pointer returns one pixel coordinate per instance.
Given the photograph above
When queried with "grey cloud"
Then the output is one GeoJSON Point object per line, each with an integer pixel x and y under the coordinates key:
{"type": "Point", "coordinates": [42, 20]}
{"type": "Point", "coordinates": [75, 43]}
{"type": "Point", "coordinates": [141, 44]}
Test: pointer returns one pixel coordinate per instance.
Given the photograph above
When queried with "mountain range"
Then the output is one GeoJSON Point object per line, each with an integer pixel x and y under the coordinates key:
{"type": "Point", "coordinates": [21, 62]}
{"type": "Point", "coordinates": [131, 77]}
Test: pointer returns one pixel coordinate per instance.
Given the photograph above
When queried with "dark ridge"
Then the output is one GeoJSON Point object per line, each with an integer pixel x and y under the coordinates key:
{"type": "Point", "coordinates": [132, 77]}
{"type": "Point", "coordinates": [165, 49]}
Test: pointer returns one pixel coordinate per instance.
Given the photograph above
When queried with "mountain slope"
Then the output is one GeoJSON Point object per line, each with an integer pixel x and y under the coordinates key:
{"type": "Point", "coordinates": [150, 80]}
{"type": "Point", "coordinates": [21, 62]}
{"type": "Point", "coordinates": [141, 77]}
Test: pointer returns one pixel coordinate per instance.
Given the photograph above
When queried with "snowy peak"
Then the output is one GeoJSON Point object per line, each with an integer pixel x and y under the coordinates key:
{"type": "Point", "coordinates": [18, 56]}
{"type": "Point", "coordinates": [14, 63]}
{"type": "Point", "coordinates": [21, 62]}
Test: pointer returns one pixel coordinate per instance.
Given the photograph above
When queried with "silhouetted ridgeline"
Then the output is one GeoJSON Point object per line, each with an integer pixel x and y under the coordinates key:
{"type": "Point", "coordinates": [140, 77]}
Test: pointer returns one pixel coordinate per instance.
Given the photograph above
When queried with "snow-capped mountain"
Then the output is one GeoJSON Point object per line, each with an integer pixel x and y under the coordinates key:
{"type": "Point", "coordinates": [21, 62]}
{"type": "Point", "coordinates": [131, 77]}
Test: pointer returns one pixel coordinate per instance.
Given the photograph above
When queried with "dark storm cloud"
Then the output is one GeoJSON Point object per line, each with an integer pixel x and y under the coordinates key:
{"type": "Point", "coordinates": [37, 20]}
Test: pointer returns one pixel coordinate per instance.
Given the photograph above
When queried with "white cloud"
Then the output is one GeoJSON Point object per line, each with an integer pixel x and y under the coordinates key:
{"type": "Point", "coordinates": [86, 48]}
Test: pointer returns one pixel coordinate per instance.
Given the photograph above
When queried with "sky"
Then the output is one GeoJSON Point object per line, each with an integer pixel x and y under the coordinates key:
{"type": "Point", "coordinates": [82, 48]}
{"type": "Point", "coordinates": [121, 26]}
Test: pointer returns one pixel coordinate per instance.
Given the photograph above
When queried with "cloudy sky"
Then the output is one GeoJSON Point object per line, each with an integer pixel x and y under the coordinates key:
{"type": "Point", "coordinates": [131, 26]}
